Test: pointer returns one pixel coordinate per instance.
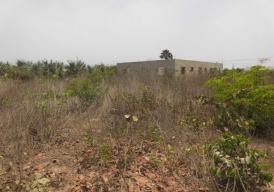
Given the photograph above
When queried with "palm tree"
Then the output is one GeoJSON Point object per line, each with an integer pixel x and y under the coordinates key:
{"type": "Point", "coordinates": [75, 67]}
{"type": "Point", "coordinates": [166, 54]}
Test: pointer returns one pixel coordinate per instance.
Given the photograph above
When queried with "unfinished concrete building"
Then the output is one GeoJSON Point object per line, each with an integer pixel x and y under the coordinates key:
{"type": "Point", "coordinates": [175, 67]}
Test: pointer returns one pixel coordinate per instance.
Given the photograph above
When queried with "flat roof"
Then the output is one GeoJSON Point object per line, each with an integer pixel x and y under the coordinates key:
{"type": "Point", "coordinates": [133, 62]}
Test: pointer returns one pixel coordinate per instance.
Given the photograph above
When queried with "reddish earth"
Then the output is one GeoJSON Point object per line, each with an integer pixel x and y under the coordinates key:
{"type": "Point", "coordinates": [71, 165]}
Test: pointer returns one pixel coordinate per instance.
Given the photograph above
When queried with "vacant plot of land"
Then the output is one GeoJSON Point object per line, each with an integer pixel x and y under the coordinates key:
{"type": "Point", "coordinates": [122, 134]}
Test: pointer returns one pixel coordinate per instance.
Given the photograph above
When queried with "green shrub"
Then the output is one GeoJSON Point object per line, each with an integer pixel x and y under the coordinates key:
{"type": "Point", "coordinates": [75, 68]}
{"type": "Point", "coordinates": [235, 166]}
{"type": "Point", "coordinates": [246, 97]}
{"type": "Point", "coordinates": [100, 72]}
{"type": "Point", "coordinates": [105, 153]}
{"type": "Point", "coordinates": [154, 134]}
{"type": "Point", "coordinates": [5, 69]}
{"type": "Point", "coordinates": [148, 100]}
{"type": "Point", "coordinates": [49, 69]}
{"type": "Point", "coordinates": [87, 91]}
{"type": "Point", "coordinates": [20, 73]}
{"type": "Point", "coordinates": [154, 161]}
{"type": "Point", "coordinates": [89, 88]}
{"type": "Point", "coordinates": [89, 138]}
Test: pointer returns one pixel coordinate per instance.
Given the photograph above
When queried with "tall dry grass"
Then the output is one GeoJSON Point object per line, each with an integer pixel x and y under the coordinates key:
{"type": "Point", "coordinates": [31, 115]}
{"type": "Point", "coordinates": [168, 111]}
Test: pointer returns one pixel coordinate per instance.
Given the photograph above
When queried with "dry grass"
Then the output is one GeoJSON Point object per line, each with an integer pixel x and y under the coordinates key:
{"type": "Point", "coordinates": [168, 114]}
{"type": "Point", "coordinates": [167, 141]}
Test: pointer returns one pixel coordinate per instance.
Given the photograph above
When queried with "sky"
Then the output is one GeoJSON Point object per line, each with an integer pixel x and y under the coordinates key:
{"type": "Point", "coordinates": [235, 32]}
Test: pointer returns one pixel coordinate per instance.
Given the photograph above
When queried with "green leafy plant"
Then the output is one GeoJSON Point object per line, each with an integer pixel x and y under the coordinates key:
{"type": "Point", "coordinates": [148, 99]}
{"type": "Point", "coordinates": [86, 91]}
{"type": "Point", "coordinates": [21, 72]}
{"type": "Point", "coordinates": [75, 68]}
{"type": "Point", "coordinates": [26, 70]}
{"type": "Point", "coordinates": [245, 99]}
{"type": "Point", "coordinates": [170, 152]}
{"type": "Point", "coordinates": [154, 161]}
{"type": "Point", "coordinates": [101, 72]}
{"type": "Point", "coordinates": [195, 123]}
{"type": "Point", "coordinates": [105, 153]}
{"type": "Point", "coordinates": [89, 138]}
{"type": "Point", "coordinates": [88, 88]}
{"type": "Point", "coordinates": [154, 134]}
{"type": "Point", "coordinates": [5, 69]}
{"type": "Point", "coordinates": [235, 166]}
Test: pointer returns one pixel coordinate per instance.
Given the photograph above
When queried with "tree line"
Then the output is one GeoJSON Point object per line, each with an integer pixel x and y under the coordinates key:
{"type": "Point", "coordinates": [26, 70]}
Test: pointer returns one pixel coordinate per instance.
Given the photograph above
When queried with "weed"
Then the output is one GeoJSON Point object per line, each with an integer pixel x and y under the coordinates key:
{"type": "Point", "coordinates": [90, 140]}
{"type": "Point", "coordinates": [87, 91]}
{"type": "Point", "coordinates": [105, 153]}
{"type": "Point", "coordinates": [154, 161]}
{"type": "Point", "coordinates": [154, 134]}
{"type": "Point", "coordinates": [170, 152]}
{"type": "Point", "coordinates": [235, 166]}
{"type": "Point", "coordinates": [39, 183]}
{"type": "Point", "coordinates": [148, 98]}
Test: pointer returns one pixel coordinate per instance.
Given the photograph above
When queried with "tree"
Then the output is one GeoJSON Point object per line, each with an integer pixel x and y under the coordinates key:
{"type": "Point", "coordinates": [166, 54]}
{"type": "Point", "coordinates": [75, 68]}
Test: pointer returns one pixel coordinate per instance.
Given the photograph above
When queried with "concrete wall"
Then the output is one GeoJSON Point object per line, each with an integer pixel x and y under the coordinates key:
{"type": "Point", "coordinates": [158, 67]}
{"type": "Point", "coordinates": [188, 67]}
{"type": "Point", "coordinates": [168, 67]}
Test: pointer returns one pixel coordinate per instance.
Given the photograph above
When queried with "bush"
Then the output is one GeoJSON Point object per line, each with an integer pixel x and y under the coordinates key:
{"type": "Point", "coordinates": [49, 69]}
{"type": "Point", "coordinates": [246, 97]}
{"type": "Point", "coordinates": [21, 73]}
{"type": "Point", "coordinates": [88, 88]}
{"type": "Point", "coordinates": [100, 72]}
{"type": "Point", "coordinates": [85, 90]}
{"type": "Point", "coordinates": [26, 70]}
{"type": "Point", "coordinates": [154, 134]}
{"type": "Point", "coordinates": [105, 153]}
{"type": "Point", "coordinates": [5, 69]}
{"type": "Point", "coordinates": [75, 68]}
{"type": "Point", "coordinates": [235, 166]}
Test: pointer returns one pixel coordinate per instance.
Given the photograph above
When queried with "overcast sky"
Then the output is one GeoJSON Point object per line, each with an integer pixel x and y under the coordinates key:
{"type": "Point", "coordinates": [110, 31]}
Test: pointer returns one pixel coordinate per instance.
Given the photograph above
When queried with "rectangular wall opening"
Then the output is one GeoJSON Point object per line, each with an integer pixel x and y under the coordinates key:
{"type": "Point", "coordinates": [200, 70]}
{"type": "Point", "coordinates": [183, 70]}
